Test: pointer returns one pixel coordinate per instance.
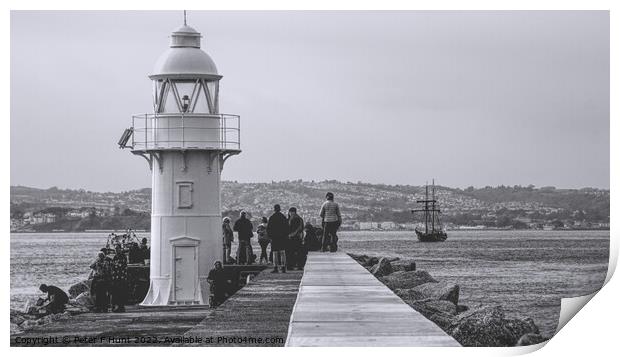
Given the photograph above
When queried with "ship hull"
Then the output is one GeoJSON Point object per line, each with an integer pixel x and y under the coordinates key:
{"type": "Point", "coordinates": [431, 236]}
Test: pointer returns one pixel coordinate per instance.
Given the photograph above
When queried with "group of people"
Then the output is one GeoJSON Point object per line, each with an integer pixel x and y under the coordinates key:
{"type": "Point", "coordinates": [290, 239]}
{"type": "Point", "coordinates": [109, 286]}
{"type": "Point", "coordinates": [109, 281]}
{"type": "Point", "coordinates": [108, 276]}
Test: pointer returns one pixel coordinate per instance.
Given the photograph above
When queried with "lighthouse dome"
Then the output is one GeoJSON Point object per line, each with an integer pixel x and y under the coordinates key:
{"type": "Point", "coordinates": [184, 59]}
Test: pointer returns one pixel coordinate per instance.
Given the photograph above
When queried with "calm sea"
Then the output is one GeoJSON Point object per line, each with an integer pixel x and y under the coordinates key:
{"type": "Point", "coordinates": [527, 272]}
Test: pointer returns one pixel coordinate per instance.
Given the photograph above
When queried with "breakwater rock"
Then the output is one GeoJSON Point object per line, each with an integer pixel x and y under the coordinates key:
{"type": "Point", "coordinates": [79, 288]}
{"type": "Point", "coordinates": [33, 314]}
{"type": "Point", "coordinates": [439, 302]}
{"type": "Point", "coordinates": [407, 279]}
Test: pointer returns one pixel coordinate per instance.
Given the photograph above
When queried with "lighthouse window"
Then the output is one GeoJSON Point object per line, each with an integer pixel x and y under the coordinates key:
{"type": "Point", "coordinates": [185, 190]}
{"type": "Point", "coordinates": [200, 104]}
{"type": "Point", "coordinates": [155, 96]}
{"type": "Point", "coordinates": [170, 103]}
{"type": "Point", "coordinates": [213, 87]}
{"type": "Point", "coordinates": [187, 92]}
{"type": "Point", "coordinates": [184, 96]}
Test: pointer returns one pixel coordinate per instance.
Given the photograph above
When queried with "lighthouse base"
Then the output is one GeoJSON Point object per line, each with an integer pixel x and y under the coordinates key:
{"type": "Point", "coordinates": [160, 293]}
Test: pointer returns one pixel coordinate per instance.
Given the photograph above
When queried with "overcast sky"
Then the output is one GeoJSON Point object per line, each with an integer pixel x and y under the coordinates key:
{"type": "Point", "coordinates": [469, 98]}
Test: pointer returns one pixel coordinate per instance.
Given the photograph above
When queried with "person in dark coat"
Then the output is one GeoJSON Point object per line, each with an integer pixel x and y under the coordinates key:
{"type": "Point", "coordinates": [295, 251]}
{"type": "Point", "coordinates": [244, 227]}
{"type": "Point", "coordinates": [311, 242]}
{"type": "Point", "coordinates": [100, 285]}
{"type": "Point", "coordinates": [278, 230]}
{"type": "Point", "coordinates": [56, 298]}
{"type": "Point", "coordinates": [217, 284]}
{"type": "Point", "coordinates": [135, 255]}
{"type": "Point", "coordinates": [145, 252]}
{"type": "Point", "coordinates": [119, 280]}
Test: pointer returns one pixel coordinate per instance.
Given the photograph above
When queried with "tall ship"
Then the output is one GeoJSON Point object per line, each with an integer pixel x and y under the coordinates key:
{"type": "Point", "coordinates": [432, 231]}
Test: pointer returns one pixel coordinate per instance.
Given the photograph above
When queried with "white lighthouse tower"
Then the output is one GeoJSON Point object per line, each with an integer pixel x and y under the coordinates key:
{"type": "Point", "coordinates": [186, 142]}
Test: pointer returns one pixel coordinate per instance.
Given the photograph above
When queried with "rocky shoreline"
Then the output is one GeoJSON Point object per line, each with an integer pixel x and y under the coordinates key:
{"type": "Point", "coordinates": [32, 315]}
{"type": "Point", "coordinates": [439, 302]}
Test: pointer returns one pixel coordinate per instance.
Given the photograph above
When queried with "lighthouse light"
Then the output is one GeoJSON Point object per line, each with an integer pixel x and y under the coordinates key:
{"type": "Point", "coordinates": [185, 103]}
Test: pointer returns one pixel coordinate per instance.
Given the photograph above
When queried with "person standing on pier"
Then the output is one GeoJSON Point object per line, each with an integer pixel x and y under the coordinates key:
{"type": "Point", "coordinates": [227, 239]}
{"type": "Point", "coordinates": [295, 240]}
{"type": "Point", "coordinates": [101, 281]}
{"type": "Point", "coordinates": [217, 284]}
{"type": "Point", "coordinates": [244, 227]}
{"type": "Point", "coordinates": [331, 218]}
{"type": "Point", "coordinates": [277, 230]}
{"type": "Point", "coordinates": [263, 240]}
{"type": "Point", "coordinates": [119, 280]}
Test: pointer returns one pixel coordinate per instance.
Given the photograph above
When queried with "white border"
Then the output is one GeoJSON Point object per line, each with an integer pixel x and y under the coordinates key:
{"type": "Point", "coordinates": [591, 330]}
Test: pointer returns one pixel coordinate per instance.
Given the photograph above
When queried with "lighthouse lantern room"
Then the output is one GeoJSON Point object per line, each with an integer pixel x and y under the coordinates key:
{"type": "Point", "coordinates": [186, 141]}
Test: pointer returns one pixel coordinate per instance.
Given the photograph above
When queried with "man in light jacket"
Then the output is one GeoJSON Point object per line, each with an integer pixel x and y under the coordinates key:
{"type": "Point", "coordinates": [331, 218]}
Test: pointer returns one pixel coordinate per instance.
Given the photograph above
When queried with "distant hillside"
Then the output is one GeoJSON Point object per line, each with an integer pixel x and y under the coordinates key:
{"type": "Point", "coordinates": [594, 202]}
{"type": "Point", "coordinates": [490, 206]}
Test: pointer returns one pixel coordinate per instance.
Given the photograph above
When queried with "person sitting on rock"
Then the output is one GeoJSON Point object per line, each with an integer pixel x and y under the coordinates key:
{"type": "Point", "coordinates": [217, 284]}
{"type": "Point", "coordinates": [56, 299]}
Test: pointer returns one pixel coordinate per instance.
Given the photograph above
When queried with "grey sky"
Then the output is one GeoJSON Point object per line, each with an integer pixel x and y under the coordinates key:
{"type": "Point", "coordinates": [470, 98]}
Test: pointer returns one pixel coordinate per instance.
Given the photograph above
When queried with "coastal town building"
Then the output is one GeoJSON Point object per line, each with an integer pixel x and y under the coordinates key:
{"type": "Point", "coordinates": [388, 226]}
{"type": "Point", "coordinates": [368, 225]}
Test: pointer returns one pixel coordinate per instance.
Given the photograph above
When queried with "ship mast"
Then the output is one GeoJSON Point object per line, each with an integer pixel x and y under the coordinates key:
{"type": "Point", "coordinates": [433, 201]}
{"type": "Point", "coordinates": [426, 210]}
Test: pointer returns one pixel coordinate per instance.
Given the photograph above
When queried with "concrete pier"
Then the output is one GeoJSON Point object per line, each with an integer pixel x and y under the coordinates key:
{"type": "Point", "coordinates": [334, 302]}
{"type": "Point", "coordinates": [341, 304]}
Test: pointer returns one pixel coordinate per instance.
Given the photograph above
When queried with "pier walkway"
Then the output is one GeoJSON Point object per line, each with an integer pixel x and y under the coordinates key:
{"type": "Point", "coordinates": [341, 304]}
{"type": "Point", "coordinates": [257, 315]}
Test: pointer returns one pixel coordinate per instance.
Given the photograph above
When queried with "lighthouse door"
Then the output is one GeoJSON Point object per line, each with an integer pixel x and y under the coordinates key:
{"type": "Point", "coordinates": [185, 273]}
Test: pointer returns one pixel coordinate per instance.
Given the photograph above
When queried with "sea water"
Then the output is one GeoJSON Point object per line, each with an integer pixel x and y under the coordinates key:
{"type": "Point", "coordinates": [527, 272]}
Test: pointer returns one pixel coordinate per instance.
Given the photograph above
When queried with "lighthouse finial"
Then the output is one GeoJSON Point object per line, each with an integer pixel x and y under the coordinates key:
{"type": "Point", "coordinates": [184, 17]}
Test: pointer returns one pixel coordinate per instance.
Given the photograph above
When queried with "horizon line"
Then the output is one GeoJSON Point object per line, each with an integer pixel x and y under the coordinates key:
{"type": "Point", "coordinates": [332, 180]}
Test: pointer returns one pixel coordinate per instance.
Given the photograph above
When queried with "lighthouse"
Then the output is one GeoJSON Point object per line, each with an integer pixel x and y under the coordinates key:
{"type": "Point", "coordinates": [186, 141]}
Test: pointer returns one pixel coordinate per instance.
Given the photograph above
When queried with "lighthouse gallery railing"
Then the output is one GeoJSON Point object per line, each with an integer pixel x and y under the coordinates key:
{"type": "Point", "coordinates": [185, 131]}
